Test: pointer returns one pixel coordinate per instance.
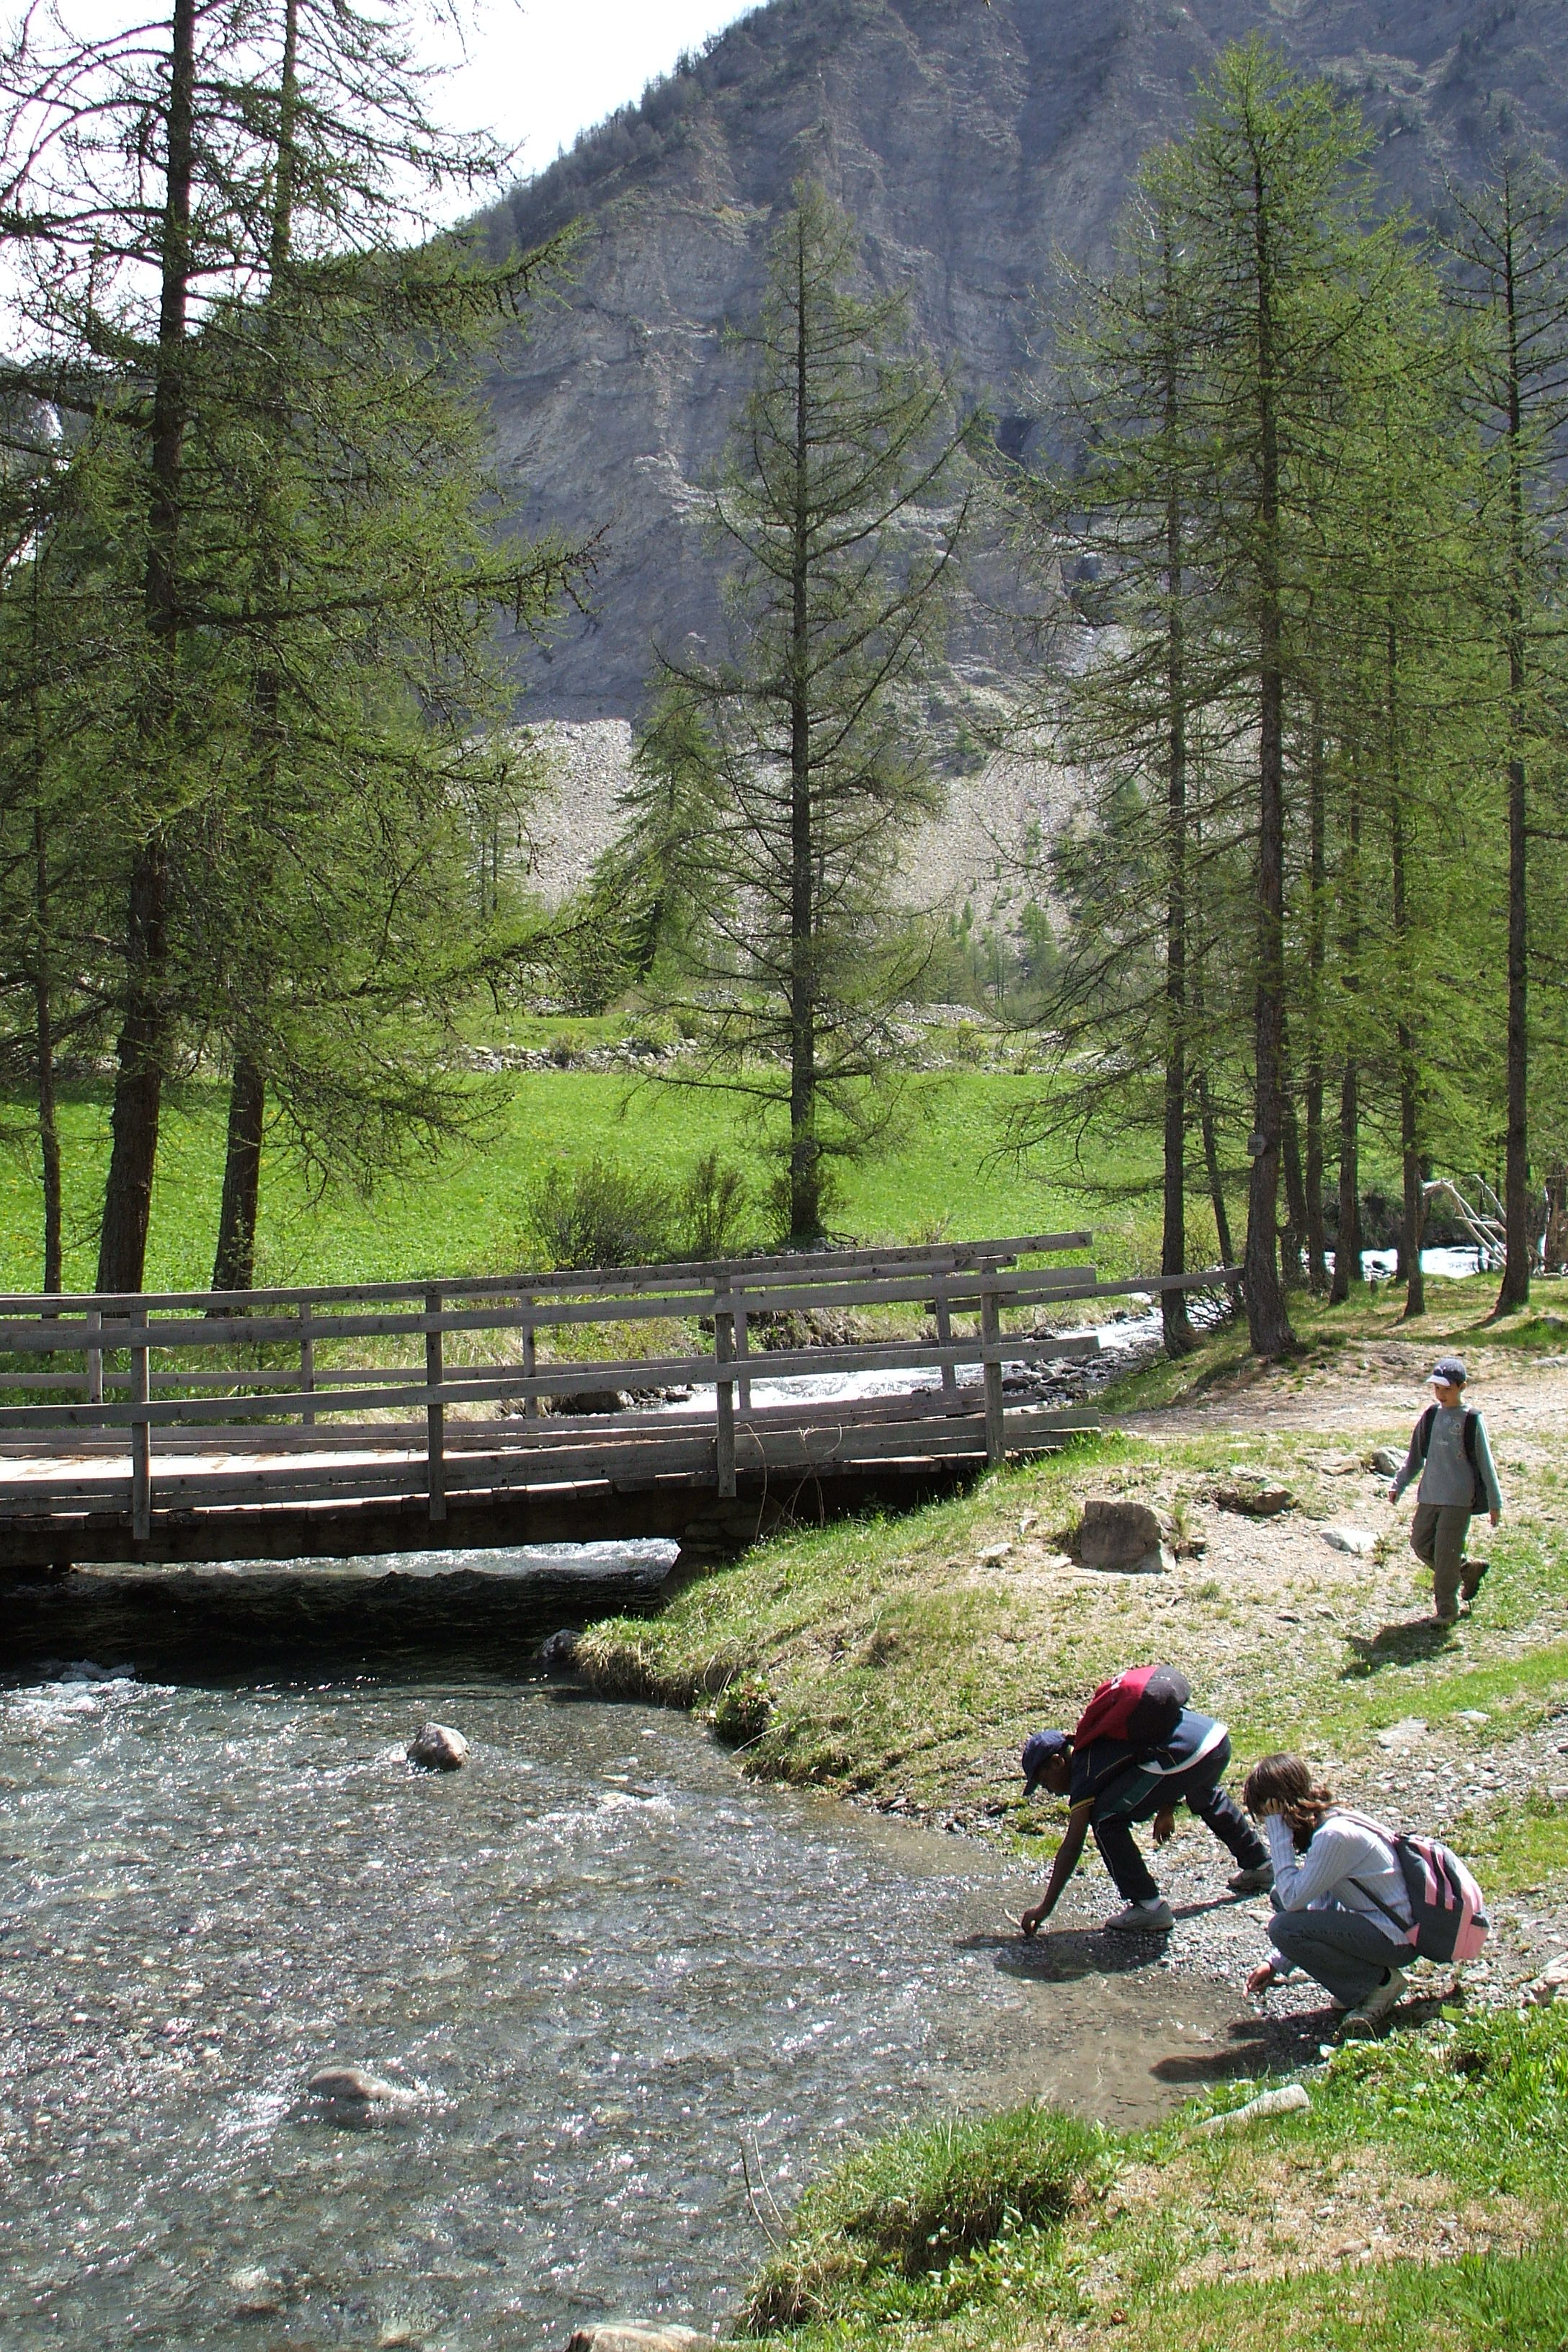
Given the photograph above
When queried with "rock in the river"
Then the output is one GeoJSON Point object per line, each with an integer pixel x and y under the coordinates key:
{"type": "Point", "coordinates": [257, 2293]}
{"type": "Point", "coordinates": [638, 2336]}
{"type": "Point", "coordinates": [353, 2094]}
{"type": "Point", "coordinates": [352, 2086]}
{"type": "Point", "coordinates": [560, 1649]}
{"type": "Point", "coordinates": [590, 1401]}
{"type": "Point", "coordinates": [1128, 1537]}
{"type": "Point", "coordinates": [1386, 1463]}
{"type": "Point", "coordinates": [438, 1747]}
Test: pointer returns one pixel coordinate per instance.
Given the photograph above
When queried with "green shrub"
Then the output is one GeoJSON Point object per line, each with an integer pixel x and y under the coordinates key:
{"type": "Point", "coordinates": [910, 2207]}
{"type": "Point", "coordinates": [605, 1212]}
{"type": "Point", "coordinates": [745, 1709]}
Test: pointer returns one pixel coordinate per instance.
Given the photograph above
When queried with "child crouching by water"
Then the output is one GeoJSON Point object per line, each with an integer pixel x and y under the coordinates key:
{"type": "Point", "coordinates": [1340, 1893]}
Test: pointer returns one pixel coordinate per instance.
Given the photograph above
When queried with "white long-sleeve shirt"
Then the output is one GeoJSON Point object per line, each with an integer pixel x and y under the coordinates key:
{"type": "Point", "coordinates": [1342, 1850]}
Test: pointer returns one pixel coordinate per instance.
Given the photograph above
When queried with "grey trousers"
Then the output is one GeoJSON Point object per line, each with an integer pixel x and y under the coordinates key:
{"type": "Point", "coordinates": [1438, 1535]}
{"type": "Point", "coordinates": [1343, 1949]}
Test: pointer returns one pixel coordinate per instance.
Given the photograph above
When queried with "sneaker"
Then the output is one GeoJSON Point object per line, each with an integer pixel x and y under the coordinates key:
{"type": "Point", "coordinates": [1155, 1918]}
{"type": "Point", "coordinates": [1472, 1575]}
{"type": "Point", "coordinates": [1255, 1881]}
{"type": "Point", "coordinates": [1362, 2024]}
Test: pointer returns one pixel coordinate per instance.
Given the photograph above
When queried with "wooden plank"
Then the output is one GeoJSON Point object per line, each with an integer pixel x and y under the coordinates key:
{"type": "Point", "coordinates": [990, 1333]}
{"type": "Point", "coordinates": [122, 1306]}
{"type": "Point", "coordinates": [141, 1451]}
{"type": "Point", "coordinates": [724, 1393]}
{"type": "Point", "coordinates": [556, 1379]}
{"type": "Point", "coordinates": [435, 1412]}
{"type": "Point", "coordinates": [690, 1459]}
{"type": "Point", "coordinates": [307, 1359]}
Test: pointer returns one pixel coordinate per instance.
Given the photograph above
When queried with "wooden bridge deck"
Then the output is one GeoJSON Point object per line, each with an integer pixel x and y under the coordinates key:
{"type": "Point", "coordinates": [208, 1427]}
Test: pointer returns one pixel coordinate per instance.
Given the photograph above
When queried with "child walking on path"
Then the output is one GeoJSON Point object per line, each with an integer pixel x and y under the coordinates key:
{"type": "Point", "coordinates": [1450, 1454]}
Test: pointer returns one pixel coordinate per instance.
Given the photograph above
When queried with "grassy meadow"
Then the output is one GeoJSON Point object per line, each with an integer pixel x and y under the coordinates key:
{"type": "Point", "coordinates": [460, 1213]}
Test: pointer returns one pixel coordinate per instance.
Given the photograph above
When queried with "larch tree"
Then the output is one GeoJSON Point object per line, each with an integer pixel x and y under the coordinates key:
{"type": "Point", "coordinates": [206, 217]}
{"type": "Point", "coordinates": [1509, 252]}
{"type": "Point", "coordinates": [799, 760]}
{"type": "Point", "coordinates": [1264, 192]}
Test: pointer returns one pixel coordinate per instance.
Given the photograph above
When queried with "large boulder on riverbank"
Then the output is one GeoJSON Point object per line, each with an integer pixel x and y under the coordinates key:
{"type": "Point", "coordinates": [1124, 1537]}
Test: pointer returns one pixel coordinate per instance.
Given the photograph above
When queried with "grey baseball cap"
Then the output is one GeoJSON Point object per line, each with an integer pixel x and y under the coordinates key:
{"type": "Point", "coordinates": [1450, 1370]}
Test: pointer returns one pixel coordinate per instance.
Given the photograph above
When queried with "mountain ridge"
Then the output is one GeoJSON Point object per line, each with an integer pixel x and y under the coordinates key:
{"type": "Point", "coordinates": [970, 144]}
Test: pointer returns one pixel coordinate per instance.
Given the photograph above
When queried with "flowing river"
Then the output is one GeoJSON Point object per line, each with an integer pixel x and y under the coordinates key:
{"type": "Point", "coordinates": [597, 1963]}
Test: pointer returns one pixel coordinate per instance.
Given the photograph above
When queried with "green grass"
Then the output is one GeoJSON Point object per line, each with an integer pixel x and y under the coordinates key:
{"type": "Point", "coordinates": [461, 1213]}
{"type": "Point", "coordinates": [889, 2234]}
{"type": "Point", "coordinates": [1058, 2233]}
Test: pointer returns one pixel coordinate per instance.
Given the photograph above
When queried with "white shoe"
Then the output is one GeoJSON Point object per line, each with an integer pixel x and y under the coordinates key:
{"type": "Point", "coordinates": [1362, 2022]}
{"type": "Point", "coordinates": [1155, 1918]}
{"type": "Point", "coordinates": [1255, 1881]}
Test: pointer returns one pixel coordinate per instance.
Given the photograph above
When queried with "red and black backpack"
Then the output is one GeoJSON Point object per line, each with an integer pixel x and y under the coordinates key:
{"type": "Point", "coordinates": [1142, 1706]}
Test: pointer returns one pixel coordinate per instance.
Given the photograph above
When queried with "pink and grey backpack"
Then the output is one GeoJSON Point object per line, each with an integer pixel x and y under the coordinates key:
{"type": "Point", "coordinates": [1448, 1911]}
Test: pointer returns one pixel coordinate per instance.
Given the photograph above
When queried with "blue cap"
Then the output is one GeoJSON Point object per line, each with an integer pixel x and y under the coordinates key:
{"type": "Point", "coordinates": [1450, 1370]}
{"type": "Point", "coordinates": [1041, 1748]}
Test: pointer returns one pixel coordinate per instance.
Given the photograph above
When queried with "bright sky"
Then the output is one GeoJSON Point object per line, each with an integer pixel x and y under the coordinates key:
{"type": "Point", "coordinates": [542, 70]}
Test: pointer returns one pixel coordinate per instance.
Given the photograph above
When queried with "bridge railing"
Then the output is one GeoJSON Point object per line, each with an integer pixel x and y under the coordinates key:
{"type": "Point", "coordinates": [175, 1371]}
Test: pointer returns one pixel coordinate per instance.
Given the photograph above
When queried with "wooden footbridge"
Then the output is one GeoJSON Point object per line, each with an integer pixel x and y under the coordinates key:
{"type": "Point", "coordinates": [288, 1424]}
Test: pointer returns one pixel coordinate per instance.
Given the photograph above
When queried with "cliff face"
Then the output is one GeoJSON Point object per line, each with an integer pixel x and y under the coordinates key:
{"type": "Point", "coordinates": [972, 145]}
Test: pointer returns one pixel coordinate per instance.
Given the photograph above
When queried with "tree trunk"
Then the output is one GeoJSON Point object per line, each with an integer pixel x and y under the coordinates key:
{"type": "Point", "coordinates": [804, 1171]}
{"type": "Point", "coordinates": [1347, 1241]}
{"type": "Point", "coordinates": [1317, 1247]}
{"type": "Point", "coordinates": [1179, 1336]}
{"type": "Point", "coordinates": [142, 1049]}
{"type": "Point", "coordinates": [1268, 1323]}
{"type": "Point", "coordinates": [1515, 1289]}
{"type": "Point", "coordinates": [1410, 1221]}
{"type": "Point", "coordinates": [1295, 1196]}
{"type": "Point", "coordinates": [139, 1078]}
{"type": "Point", "coordinates": [1347, 1244]}
{"type": "Point", "coordinates": [48, 1125]}
{"type": "Point", "coordinates": [234, 1266]}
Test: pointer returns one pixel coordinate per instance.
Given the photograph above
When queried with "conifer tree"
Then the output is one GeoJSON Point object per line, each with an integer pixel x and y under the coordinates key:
{"type": "Point", "coordinates": [153, 195]}
{"type": "Point", "coordinates": [798, 759]}
{"type": "Point", "coordinates": [1509, 250]}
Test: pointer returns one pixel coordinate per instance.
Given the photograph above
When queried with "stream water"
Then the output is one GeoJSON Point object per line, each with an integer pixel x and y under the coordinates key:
{"type": "Point", "coordinates": [597, 1962]}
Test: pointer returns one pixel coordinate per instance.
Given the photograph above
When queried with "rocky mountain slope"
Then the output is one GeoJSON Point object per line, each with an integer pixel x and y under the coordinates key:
{"type": "Point", "coordinates": [972, 143]}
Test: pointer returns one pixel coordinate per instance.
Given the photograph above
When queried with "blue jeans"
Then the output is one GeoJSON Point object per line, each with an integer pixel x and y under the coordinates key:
{"type": "Point", "coordinates": [1198, 1789]}
{"type": "Point", "coordinates": [1344, 1951]}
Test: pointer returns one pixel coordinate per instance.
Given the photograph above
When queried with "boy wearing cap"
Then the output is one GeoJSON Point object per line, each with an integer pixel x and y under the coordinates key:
{"type": "Point", "coordinates": [1450, 1454]}
{"type": "Point", "coordinates": [1111, 1785]}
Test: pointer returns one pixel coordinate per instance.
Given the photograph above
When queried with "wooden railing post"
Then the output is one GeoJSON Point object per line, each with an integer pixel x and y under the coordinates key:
{"type": "Point", "coordinates": [724, 1391]}
{"type": "Point", "coordinates": [141, 1448]}
{"type": "Point", "coordinates": [434, 1417]}
{"type": "Point", "coordinates": [990, 1340]}
{"type": "Point", "coordinates": [743, 1386]}
{"type": "Point", "coordinates": [944, 1333]}
{"type": "Point", "coordinates": [307, 1362]}
{"type": "Point", "coordinates": [529, 1361]}
{"type": "Point", "coordinates": [94, 1359]}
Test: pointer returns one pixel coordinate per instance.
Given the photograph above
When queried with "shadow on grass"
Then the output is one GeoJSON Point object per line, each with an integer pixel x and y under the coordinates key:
{"type": "Point", "coordinates": [1396, 1646]}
